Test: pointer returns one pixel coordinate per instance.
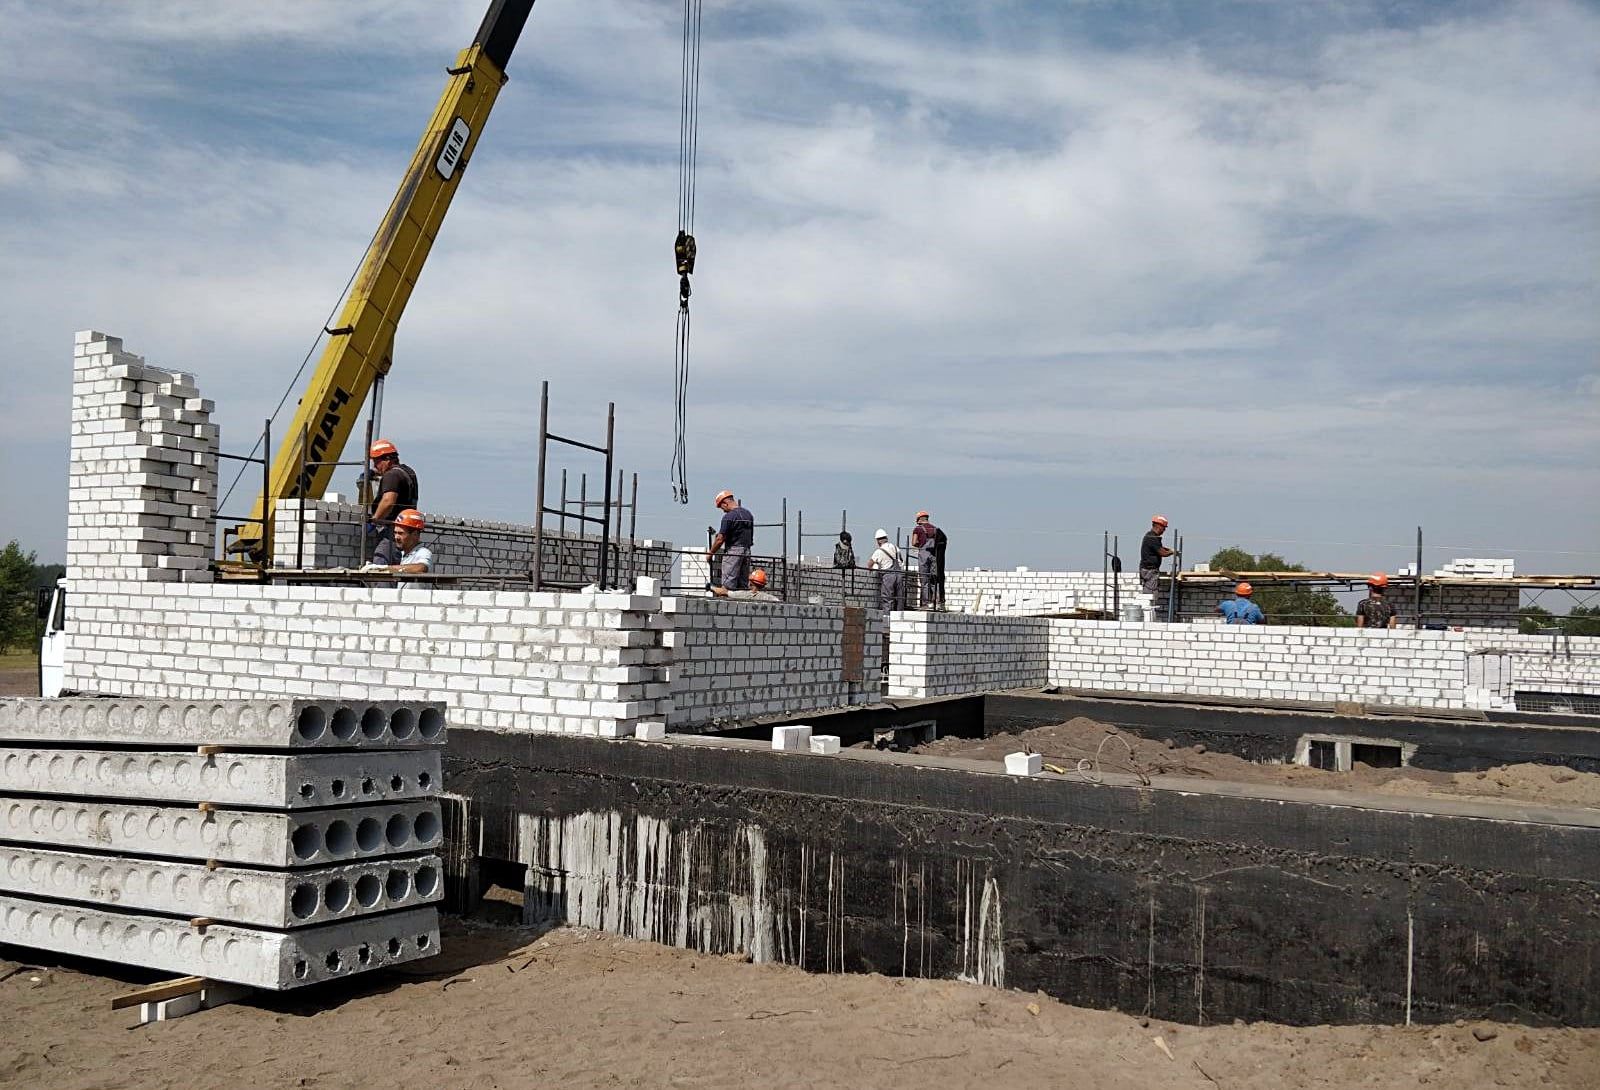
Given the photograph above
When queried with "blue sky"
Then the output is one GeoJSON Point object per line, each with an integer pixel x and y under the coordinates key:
{"type": "Point", "coordinates": [1300, 276]}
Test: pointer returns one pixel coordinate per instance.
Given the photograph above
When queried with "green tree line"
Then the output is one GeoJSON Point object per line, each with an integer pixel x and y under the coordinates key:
{"type": "Point", "coordinates": [1582, 621]}
{"type": "Point", "coordinates": [1284, 604]}
{"type": "Point", "coordinates": [20, 577]}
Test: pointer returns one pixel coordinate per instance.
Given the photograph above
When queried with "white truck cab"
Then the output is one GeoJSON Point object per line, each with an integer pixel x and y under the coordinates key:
{"type": "Point", "coordinates": [53, 647]}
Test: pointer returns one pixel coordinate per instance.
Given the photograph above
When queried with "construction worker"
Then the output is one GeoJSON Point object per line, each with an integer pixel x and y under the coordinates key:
{"type": "Point", "coordinates": [738, 535]}
{"type": "Point", "coordinates": [756, 593]}
{"type": "Point", "coordinates": [396, 491]}
{"type": "Point", "coordinates": [930, 542]}
{"type": "Point", "coordinates": [1151, 553]}
{"type": "Point", "coordinates": [885, 559]}
{"type": "Point", "coordinates": [1240, 609]}
{"type": "Point", "coordinates": [415, 558]}
{"type": "Point", "coordinates": [1375, 611]}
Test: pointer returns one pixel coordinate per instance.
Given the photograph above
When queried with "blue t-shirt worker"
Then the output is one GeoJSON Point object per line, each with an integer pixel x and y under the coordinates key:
{"type": "Point", "coordinates": [736, 536]}
{"type": "Point", "coordinates": [1240, 609]}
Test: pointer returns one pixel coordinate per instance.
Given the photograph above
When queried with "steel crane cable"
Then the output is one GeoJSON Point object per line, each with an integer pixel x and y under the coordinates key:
{"type": "Point", "coordinates": [683, 246]}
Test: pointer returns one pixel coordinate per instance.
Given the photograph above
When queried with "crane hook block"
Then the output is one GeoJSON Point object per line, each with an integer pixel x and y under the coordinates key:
{"type": "Point", "coordinates": [683, 290]}
{"type": "Point", "coordinates": [684, 249]}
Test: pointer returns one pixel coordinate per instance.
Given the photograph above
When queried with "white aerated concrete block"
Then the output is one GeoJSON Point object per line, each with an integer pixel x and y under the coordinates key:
{"type": "Point", "coordinates": [1024, 764]}
{"type": "Point", "coordinates": [824, 743]}
{"type": "Point", "coordinates": [791, 738]}
{"type": "Point", "coordinates": [245, 837]}
{"type": "Point", "coordinates": [257, 724]}
{"type": "Point", "coordinates": [234, 895]}
{"type": "Point", "coordinates": [274, 960]}
{"type": "Point", "coordinates": [651, 732]}
{"type": "Point", "coordinates": [298, 782]}
{"type": "Point", "coordinates": [647, 585]}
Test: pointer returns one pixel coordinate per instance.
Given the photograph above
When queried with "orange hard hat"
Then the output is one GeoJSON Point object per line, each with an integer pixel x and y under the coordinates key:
{"type": "Point", "coordinates": [1377, 579]}
{"type": "Point", "coordinates": [1162, 519]}
{"type": "Point", "coordinates": [411, 519]}
{"type": "Point", "coordinates": [1244, 590]}
{"type": "Point", "coordinates": [723, 495]}
{"type": "Point", "coordinates": [759, 577]}
{"type": "Point", "coordinates": [382, 449]}
{"type": "Point", "coordinates": [922, 514]}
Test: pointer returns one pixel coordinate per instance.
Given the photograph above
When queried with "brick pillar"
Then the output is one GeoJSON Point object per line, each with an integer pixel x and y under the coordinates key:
{"type": "Point", "coordinates": [142, 481]}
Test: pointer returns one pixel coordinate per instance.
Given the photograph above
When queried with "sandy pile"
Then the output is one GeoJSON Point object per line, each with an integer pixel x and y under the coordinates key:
{"type": "Point", "coordinates": [1065, 744]}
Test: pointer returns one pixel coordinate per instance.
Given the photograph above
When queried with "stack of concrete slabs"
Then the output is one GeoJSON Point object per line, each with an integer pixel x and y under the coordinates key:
{"type": "Point", "coordinates": [270, 843]}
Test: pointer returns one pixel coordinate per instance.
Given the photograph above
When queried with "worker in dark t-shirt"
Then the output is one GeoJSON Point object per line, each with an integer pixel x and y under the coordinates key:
{"type": "Point", "coordinates": [396, 492]}
{"type": "Point", "coordinates": [737, 535]}
{"type": "Point", "coordinates": [1151, 553]}
{"type": "Point", "coordinates": [1375, 611]}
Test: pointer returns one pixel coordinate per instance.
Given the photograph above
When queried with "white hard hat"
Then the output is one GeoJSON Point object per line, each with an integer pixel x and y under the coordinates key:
{"type": "Point", "coordinates": [883, 534]}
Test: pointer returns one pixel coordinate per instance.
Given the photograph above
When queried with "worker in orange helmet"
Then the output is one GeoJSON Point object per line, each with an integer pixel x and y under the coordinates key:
{"type": "Point", "coordinates": [930, 543]}
{"type": "Point", "coordinates": [415, 558]}
{"type": "Point", "coordinates": [1240, 609]}
{"type": "Point", "coordinates": [1151, 553]}
{"type": "Point", "coordinates": [737, 535]}
{"type": "Point", "coordinates": [757, 591]}
{"type": "Point", "coordinates": [1375, 610]}
{"type": "Point", "coordinates": [396, 491]}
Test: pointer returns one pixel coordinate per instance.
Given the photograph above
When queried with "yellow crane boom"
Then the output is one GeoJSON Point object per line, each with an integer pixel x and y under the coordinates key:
{"type": "Point", "coordinates": [360, 345]}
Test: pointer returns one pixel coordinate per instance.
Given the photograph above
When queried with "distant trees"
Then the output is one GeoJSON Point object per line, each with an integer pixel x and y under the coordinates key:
{"type": "Point", "coordinates": [1284, 604]}
{"type": "Point", "coordinates": [1582, 621]}
{"type": "Point", "coordinates": [20, 577]}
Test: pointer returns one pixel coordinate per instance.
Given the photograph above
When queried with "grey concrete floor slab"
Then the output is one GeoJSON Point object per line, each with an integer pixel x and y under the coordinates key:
{"type": "Point", "coordinates": [235, 895]}
{"type": "Point", "coordinates": [274, 960]}
{"type": "Point", "coordinates": [275, 781]}
{"type": "Point", "coordinates": [246, 837]}
{"type": "Point", "coordinates": [246, 724]}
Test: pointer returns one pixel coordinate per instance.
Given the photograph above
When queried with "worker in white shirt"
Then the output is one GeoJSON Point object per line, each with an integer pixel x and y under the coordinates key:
{"type": "Point", "coordinates": [415, 557]}
{"type": "Point", "coordinates": [886, 560]}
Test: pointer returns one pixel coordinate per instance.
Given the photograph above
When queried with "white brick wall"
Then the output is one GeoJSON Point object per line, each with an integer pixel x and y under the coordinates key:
{"type": "Point", "coordinates": [142, 478]}
{"type": "Point", "coordinates": [738, 660]}
{"type": "Point", "coordinates": [329, 536]}
{"type": "Point", "coordinates": [1549, 664]}
{"type": "Point", "coordinates": [505, 660]}
{"type": "Point", "coordinates": [947, 654]}
{"type": "Point", "coordinates": [807, 583]}
{"type": "Point", "coordinates": [1014, 593]}
{"type": "Point", "coordinates": [1426, 669]}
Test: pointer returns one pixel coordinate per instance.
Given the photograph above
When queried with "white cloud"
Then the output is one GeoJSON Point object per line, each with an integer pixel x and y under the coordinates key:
{"type": "Point", "coordinates": [1002, 260]}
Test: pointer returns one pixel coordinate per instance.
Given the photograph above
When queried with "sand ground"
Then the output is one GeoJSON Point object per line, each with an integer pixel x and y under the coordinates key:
{"type": "Point", "coordinates": [507, 1007]}
{"type": "Point", "coordinates": [1065, 744]}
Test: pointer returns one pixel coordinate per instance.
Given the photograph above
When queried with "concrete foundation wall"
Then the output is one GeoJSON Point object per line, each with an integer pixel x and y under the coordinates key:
{"type": "Point", "coordinates": [737, 660]}
{"type": "Point", "coordinates": [328, 535]}
{"type": "Point", "coordinates": [1183, 900]}
{"type": "Point", "coordinates": [947, 654]}
{"type": "Point", "coordinates": [506, 660]}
